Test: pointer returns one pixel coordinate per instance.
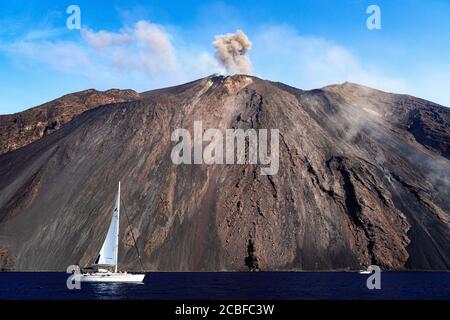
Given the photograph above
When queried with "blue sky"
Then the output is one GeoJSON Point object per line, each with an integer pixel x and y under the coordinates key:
{"type": "Point", "coordinates": [149, 44]}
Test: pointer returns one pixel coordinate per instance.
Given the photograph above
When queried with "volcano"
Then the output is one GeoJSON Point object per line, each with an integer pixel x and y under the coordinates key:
{"type": "Point", "coordinates": [364, 178]}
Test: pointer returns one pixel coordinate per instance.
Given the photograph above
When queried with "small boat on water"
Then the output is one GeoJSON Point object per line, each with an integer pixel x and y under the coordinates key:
{"type": "Point", "coordinates": [108, 256]}
{"type": "Point", "coordinates": [365, 272]}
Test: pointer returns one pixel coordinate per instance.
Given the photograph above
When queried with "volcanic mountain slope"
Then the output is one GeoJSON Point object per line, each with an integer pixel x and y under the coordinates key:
{"type": "Point", "coordinates": [18, 130]}
{"type": "Point", "coordinates": [364, 179]}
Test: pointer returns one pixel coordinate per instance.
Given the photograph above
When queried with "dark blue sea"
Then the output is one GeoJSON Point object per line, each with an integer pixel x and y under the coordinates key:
{"type": "Point", "coordinates": [232, 286]}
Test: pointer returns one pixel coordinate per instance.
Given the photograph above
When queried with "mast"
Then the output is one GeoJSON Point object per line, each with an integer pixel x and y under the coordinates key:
{"type": "Point", "coordinates": [117, 230]}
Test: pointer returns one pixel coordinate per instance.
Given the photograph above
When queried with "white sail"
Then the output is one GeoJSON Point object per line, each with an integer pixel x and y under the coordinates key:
{"type": "Point", "coordinates": [109, 252]}
{"type": "Point", "coordinates": [108, 256]}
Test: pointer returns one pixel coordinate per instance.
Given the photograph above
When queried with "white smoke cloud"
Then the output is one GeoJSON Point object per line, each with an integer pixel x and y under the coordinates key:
{"type": "Point", "coordinates": [103, 39]}
{"type": "Point", "coordinates": [141, 56]}
{"type": "Point", "coordinates": [145, 46]}
{"type": "Point", "coordinates": [145, 55]}
{"type": "Point", "coordinates": [231, 50]}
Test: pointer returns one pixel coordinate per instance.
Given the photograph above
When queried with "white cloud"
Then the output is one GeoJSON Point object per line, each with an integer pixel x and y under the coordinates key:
{"type": "Point", "coordinates": [103, 39]}
{"type": "Point", "coordinates": [140, 53]}
{"type": "Point", "coordinates": [145, 47]}
{"type": "Point", "coordinates": [146, 55]}
{"type": "Point", "coordinates": [280, 53]}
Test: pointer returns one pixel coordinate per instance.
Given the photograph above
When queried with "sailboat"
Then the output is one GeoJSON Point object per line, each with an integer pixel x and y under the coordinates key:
{"type": "Point", "coordinates": [365, 272]}
{"type": "Point", "coordinates": [108, 256]}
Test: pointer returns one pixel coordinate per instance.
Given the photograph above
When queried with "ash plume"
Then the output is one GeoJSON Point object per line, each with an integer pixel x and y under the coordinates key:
{"type": "Point", "coordinates": [231, 50]}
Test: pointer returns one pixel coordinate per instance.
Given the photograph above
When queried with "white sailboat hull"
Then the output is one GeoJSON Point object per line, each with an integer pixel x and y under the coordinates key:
{"type": "Point", "coordinates": [113, 277]}
{"type": "Point", "coordinates": [365, 272]}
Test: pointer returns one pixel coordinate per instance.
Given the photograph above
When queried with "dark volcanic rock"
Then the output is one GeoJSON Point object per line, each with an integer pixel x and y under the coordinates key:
{"type": "Point", "coordinates": [18, 130]}
{"type": "Point", "coordinates": [251, 261]}
{"type": "Point", "coordinates": [363, 179]}
{"type": "Point", "coordinates": [7, 261]}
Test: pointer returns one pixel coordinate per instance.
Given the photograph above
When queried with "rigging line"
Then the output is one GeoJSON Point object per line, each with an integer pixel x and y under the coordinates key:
{"type": "Point", "coordinates": [132, 235]}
